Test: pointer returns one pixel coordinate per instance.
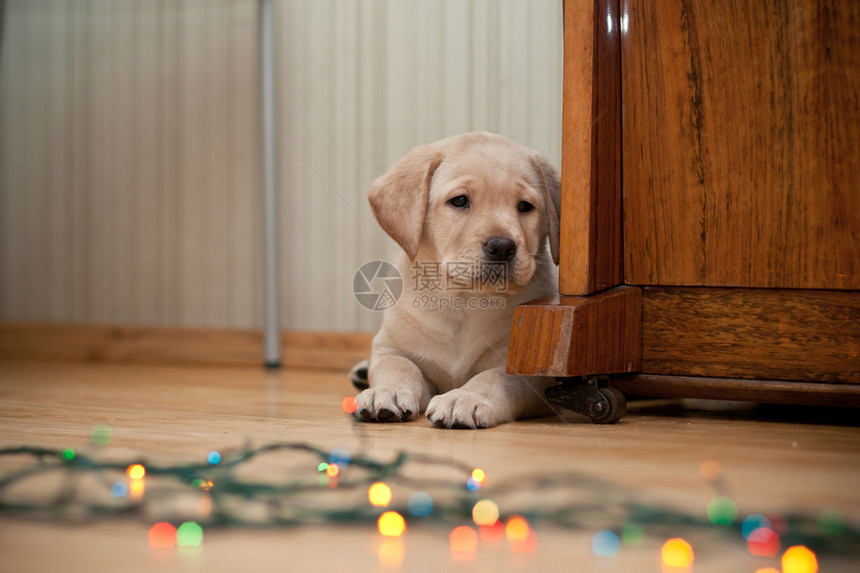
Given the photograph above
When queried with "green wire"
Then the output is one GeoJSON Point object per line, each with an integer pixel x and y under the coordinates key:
{"type": "Point", "coordinates": [301, 500]}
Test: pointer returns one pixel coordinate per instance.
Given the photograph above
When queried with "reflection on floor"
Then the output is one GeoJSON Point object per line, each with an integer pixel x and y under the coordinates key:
{"type": "Point", "coordinates": [675, 483]}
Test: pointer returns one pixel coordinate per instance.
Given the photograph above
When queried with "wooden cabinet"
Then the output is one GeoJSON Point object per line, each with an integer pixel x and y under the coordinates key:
{"type": "Point", "coordinates": [710, 207]}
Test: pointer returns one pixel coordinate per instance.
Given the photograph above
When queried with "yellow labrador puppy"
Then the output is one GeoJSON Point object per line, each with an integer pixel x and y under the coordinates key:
{"type": "Point", "coordinates": [477, 217]}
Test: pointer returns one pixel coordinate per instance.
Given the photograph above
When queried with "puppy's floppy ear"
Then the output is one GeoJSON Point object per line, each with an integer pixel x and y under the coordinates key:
{"type": "Point", "coordinates": [551, 183]}
{"type": "Point", "coordinates": [398, 198]}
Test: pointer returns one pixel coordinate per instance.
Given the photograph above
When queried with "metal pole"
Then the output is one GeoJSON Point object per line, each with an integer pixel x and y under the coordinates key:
{"type": "Point", "coordinates": [272, 330]}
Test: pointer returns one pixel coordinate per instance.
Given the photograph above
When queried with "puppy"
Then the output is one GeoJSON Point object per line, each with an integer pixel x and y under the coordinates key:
{"type": "Point", "coordinates": [477, 217]}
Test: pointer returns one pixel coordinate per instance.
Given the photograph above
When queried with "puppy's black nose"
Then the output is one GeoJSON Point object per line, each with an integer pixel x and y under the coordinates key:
{"type": "Point", "coordinates": [499, 249]}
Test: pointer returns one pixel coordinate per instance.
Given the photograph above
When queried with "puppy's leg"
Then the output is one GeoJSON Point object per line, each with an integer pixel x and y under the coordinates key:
{"type": "Point", "coordinates": [488, 399]}
{"type": "Point", "coordinates": [397, 390]}
{"type": "Point", "coordinates": [358, 375]}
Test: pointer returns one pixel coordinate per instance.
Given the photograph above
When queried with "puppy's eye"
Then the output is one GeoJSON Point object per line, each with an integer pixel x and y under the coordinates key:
{"type": "Point", "coordinates": [525, 207]}
{"type": "Point", "coordinates": [460, 201]}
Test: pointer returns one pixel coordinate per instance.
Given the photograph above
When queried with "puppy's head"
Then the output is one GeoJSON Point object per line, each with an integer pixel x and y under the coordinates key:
{"type": "Point", "coordinates": [476, 199]}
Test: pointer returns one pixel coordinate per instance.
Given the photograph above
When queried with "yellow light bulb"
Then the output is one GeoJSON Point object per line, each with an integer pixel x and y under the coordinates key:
{"type": "Point", "coordinates": [379, 494]}
{"type": "Point", "coordinates": [677, 553]}
{"type": "Point", "coordinates": [391, 524]}
{"type": "Point", "coordinates": [136, 471]}
{"type": "Point", "coordinates": [485, 512]}
{"type": "Point", "coordinates": [799, 559]}
{"type": "Point", "coordinates": [517, 528]}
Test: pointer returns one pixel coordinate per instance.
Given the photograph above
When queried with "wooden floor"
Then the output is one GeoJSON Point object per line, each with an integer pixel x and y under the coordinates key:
{"type": "Point", "coordinates": [772, 459]}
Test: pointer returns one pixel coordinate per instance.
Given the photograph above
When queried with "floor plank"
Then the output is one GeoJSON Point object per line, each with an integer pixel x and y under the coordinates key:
{"type": "Point", "coordinates": [774, 459]}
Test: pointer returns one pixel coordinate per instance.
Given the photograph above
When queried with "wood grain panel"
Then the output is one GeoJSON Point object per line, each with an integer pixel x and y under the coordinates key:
{"type": "Point", "coordinates": [168, 345]}
{"type": "Point", "coordinates": [752, 333]}
{"type": "Point", "coordinates": [577, 336]}
{"type": "Point", "coordinates": [742, 143]}
{"type": "Point", "coordinates": [591, 241]}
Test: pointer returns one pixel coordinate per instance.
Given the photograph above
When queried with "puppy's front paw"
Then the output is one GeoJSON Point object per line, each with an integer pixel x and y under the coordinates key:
{"type": "Point", "coordinates": [385, 405]}
{"type": "Point", "coordinates": [461, 408]}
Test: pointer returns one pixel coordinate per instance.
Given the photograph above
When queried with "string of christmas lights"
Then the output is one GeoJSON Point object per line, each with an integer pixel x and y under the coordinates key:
{"type": "Point", "coordinates": [307, 485]}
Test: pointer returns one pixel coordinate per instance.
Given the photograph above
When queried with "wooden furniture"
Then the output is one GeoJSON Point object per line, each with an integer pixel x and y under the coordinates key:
{"type": "Point", "coordinates": [710, 207]}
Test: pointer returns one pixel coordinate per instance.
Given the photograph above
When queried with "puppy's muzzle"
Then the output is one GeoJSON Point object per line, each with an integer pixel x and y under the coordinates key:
{"type": "Point", "coordinates": [500, 250]}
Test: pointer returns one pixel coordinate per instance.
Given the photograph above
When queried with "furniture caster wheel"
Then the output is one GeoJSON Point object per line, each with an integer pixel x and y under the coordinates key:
{"type": "Point", "coordinates": [610, 408]}
{"type": "Point", "coordinates": [592, 397]}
